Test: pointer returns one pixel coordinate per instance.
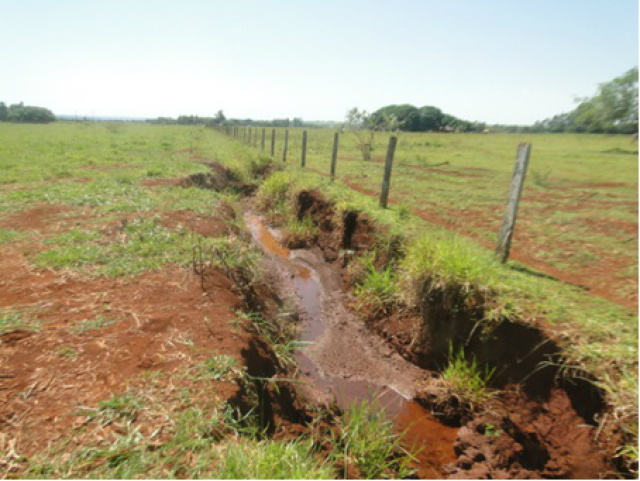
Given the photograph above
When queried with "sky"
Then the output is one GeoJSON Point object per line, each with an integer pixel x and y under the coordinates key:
{"type": "Point", "coordinates": [498, 61]}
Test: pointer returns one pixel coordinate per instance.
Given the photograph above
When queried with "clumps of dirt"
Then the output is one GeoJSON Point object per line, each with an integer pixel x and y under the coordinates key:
{"type": "Point", "coordinates": [519, 438]}
{"type": "Point", "coordinates": [219, 179]}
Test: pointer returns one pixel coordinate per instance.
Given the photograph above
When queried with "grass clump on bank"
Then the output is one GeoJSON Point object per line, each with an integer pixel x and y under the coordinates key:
{"type": "Point", "coordinates": [466, 380]}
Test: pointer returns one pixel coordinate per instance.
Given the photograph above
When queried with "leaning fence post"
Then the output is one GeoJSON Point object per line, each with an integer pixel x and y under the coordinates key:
{"type": "Point", "coordinates": [273, 142]}
{"type": "Point", "coordinates": [334, 156]}
{"type": "Point", "coordinates": [286, 145]}
{"type": "Point", "coordinates": [386, 179]}
{"type": "Point", "coordinates": [262, 142]}
{"type": "Point", "coordinates": [511, 209]}
{"type": "Point", "coordinates": [303, 159]}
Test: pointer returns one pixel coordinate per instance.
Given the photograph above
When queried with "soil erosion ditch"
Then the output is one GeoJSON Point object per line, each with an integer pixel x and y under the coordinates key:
{"type": "Point", "coordinates": [344, 362]}
{"type": "Point", "coordinates": [535, 425]}
{"type": "Point", "coordinates": [542, 428]}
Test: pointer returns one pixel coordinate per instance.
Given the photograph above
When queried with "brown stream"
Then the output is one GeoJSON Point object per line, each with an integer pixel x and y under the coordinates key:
{"type": "Point", "coordinates": [432, 441]}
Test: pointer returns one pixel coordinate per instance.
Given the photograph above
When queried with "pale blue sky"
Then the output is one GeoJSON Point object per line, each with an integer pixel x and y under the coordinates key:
{"type": "Point", "coordinates": [501, 61]}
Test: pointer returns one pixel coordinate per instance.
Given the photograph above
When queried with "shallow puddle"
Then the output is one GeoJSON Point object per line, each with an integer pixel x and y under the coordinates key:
{"type": "Point", "coordinates": [432, 441]}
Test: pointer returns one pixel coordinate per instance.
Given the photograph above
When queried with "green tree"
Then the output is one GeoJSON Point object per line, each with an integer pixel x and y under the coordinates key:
{"type": "Point", "coordinates": [431, 118]}
{"type": "Point", "coordinates": [21, 113]}
{"type": "Point", "coordinates": [219, 118]}
{"type": "Point", "coordinates": [613, 109]}
{"type": "Point", "coordinates": [407, 116]}
{"type": "Point", "coordinates": [4, 112]}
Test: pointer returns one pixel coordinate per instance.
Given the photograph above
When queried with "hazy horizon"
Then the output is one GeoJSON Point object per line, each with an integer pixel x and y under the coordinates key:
{"type": "Point", "coordinates": [497, 61]}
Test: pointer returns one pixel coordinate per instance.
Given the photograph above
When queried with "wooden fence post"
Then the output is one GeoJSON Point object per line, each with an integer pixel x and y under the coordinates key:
{"type": "Point", "coordinates": [334, 156]}
{"type": "Point", "coordinates": [286, 145]}
{"type": "Point", "coordinates": [273, 142]}
{"type": "Point", "coordinates": [262, 142]}
{"type": "Point", "coordinates": [303, 159]}
{"type": "Point", "coordinates": [386, 179]}
{"type": "Point", "coordinates": [249, 141]}
{"type": "Point", "coordinates": [511, 209]}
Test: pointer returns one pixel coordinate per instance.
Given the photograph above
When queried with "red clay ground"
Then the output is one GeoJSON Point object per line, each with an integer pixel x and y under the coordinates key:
{"type": "Point", "coordinates": [157, 322]}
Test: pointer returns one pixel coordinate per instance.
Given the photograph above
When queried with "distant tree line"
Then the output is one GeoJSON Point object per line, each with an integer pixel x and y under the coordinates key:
{"type": "Point", "coordinates": [25, 114]}
{"type": "Point", "coordinates": [218, 119]}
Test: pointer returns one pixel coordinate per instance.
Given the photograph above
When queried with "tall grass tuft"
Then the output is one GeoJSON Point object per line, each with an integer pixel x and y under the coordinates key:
{"type": "Point", "coordinates": [366, 440]}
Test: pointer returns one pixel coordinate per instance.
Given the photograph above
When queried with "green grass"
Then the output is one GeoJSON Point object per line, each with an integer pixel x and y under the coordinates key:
{"type": "Point", "coordinates": [142, 245]}
{"type": "Point", "coordinates": [88, 325]}
{"type": "Point", "coordinates": [466, 380]}
{"type": "Point", "coordinates": [377, 290]}
{"type": "Point", "coordinates": [366, 440]}
{"type": "Point", "coordinates": [218, 368]}
{"type": "Point", "coordinates": [13, 320]}
{"type": "Point", "coordinates": [7, 235]}
{"type": "Point", "coordinates": [208, 439]}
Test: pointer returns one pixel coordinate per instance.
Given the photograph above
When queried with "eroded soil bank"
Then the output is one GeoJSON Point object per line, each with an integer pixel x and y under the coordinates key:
{"type": "Point", "coordinates": [346, 363]}
{"type": "Point", "coordinates": [533, 426]}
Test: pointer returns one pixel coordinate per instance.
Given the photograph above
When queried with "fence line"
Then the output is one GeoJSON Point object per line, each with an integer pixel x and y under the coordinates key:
{"type": "Point", "coordinates": [513, 200]}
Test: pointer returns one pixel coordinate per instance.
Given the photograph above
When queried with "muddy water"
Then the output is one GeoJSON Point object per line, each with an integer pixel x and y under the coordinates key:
{"type": "Point", "coordinates": [432, 441]}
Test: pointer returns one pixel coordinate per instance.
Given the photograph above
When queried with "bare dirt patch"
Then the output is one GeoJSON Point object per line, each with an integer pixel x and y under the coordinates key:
{"type": "Point", "coordinates": [204, 224]}
{"type": "Point", "coordinates": [157, 321]}
{"type": "Point", "coordinates": [42, 218]}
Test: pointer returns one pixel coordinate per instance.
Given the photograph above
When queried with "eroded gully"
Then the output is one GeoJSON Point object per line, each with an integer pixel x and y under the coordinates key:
{"type": "Point", "coordinates": [346, 363]}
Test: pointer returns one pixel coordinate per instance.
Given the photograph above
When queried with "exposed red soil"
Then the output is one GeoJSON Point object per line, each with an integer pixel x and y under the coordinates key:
{"type": "Point", "coordinates": [519, 438]}
{"type": "Point", "coordinates": [156, 315]}
{"type": "Point", "coordinates": [42, 218]}
{"type": "Point", "coordinates": [203, 224]}
{"type": "Point", "coordinates": [167, 321]}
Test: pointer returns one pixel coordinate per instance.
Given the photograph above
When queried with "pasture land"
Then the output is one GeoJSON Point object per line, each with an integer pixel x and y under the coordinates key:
{"type": "Point", "coordinates": [578, 215]}
{"type": "Point", "coordinates": [116, 363]}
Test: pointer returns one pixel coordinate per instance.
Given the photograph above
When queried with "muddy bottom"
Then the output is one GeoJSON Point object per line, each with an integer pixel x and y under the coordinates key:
{"type": "Point", "coordinates": [390, 381]}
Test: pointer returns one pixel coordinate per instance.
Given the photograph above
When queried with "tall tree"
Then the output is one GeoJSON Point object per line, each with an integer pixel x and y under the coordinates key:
{"type": "Point", "coordinates": [431, 118]}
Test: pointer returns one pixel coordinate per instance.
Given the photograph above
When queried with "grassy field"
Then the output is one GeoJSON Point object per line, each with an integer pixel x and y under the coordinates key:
{"type": "Point", "coordinates": [578, 215]}
{"type": "Point", "coordinates": [94, 205]}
